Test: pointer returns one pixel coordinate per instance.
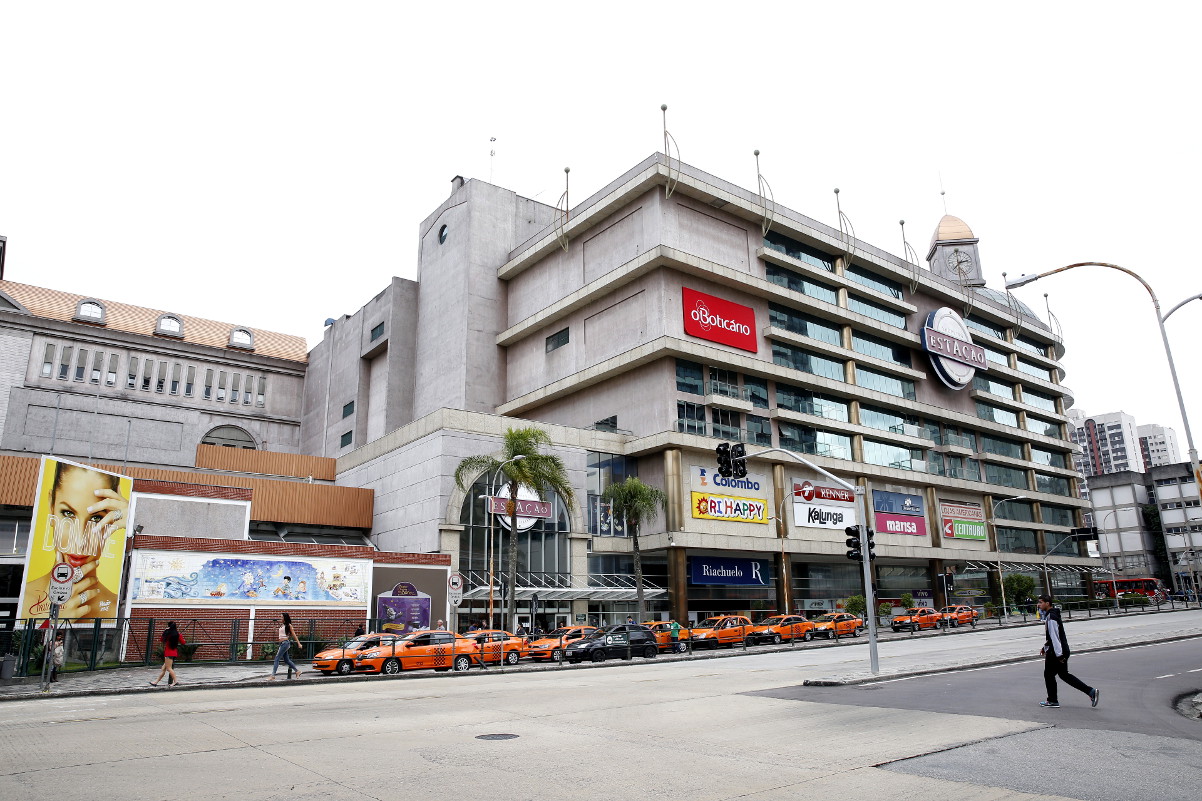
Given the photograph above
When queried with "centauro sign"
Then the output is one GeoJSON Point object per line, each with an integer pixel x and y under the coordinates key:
{"type": "Point", "coordinates": [724, 507]}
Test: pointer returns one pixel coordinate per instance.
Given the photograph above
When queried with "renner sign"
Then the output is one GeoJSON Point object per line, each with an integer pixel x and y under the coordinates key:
{"type": "Point", "coordinates": [816, 506]}
{"type": "Point", "coordinates": [718, 320]}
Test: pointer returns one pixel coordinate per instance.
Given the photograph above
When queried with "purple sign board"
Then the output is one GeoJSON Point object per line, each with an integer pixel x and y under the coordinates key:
{"type": "Point", "coordinates": [406, 609]}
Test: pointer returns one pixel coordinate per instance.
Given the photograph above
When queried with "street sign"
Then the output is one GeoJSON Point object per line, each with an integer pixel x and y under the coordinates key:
{"type": "Point", "coordinates": [455, 584]}
{"type": "Point", "coordinates": [62, 573]}
{"type": "Point", "coordinates": [59, 593]}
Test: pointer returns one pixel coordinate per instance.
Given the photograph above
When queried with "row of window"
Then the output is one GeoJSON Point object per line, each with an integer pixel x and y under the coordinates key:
{"type": "Point", "coordinates": [152, 375]}
{"type": "Point", "coordinates": [168, 325]}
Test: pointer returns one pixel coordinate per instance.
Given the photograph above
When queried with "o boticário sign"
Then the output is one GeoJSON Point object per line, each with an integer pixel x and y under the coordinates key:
{"type": "Point", "coordinates": [962, 521]}
{"type": "Point", "coordinates": [816, 506]}
{"type": "Point", "coordinates": [729, 508]}
{"type": "Point", "coordinates": [718, 320]}
{"type": "Point", "coordinates": [948, 342]}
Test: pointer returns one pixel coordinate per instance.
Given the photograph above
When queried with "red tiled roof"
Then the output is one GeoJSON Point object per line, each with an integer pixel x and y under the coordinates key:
{"type": "Point", "coordinates": [57, 305]}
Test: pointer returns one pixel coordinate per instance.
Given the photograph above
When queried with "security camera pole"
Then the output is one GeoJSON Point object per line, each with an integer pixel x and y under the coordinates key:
{"type": "Point", "coordinates": [862, 511]}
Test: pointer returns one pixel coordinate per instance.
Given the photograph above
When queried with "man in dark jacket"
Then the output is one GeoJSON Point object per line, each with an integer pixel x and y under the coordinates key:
{"type": "Point", "coordinates": [1055, 653]}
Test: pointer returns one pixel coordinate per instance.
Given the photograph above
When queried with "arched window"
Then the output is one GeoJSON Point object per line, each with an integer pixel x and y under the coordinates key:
{"type": "Point", "coordinates": [242, 338]}
{"type": "Point", "coordinates": [169, 326]}
{"type": "Point", "coordinates": [90, 311]}
{"type": "Point", "coordinates": [229, 437]}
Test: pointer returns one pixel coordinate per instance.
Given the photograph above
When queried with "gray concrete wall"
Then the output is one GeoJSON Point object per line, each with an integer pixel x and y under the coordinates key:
{"type": "Point", "coordinates": [165, 516]}
{"type": "Point", "coordinates": [15, 346]}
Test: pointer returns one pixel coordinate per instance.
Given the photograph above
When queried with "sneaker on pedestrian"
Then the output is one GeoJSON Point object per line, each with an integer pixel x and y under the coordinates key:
{"type": "Point", "coordinates": [1094, 695]}
{"type": "Point", "coordinates": [1050, 704]}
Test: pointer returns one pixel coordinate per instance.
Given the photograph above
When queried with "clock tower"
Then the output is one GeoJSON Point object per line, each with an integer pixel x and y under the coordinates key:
{"type": "Point", "coordinates": [953, 252]}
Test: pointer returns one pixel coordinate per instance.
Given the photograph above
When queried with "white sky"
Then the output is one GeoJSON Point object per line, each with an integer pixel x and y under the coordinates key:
{"type": "Point", "coordinates": [268, 164]}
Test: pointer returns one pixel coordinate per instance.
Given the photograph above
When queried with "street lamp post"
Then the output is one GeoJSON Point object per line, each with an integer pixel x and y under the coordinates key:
{"type": "Point", "coordinates": [993, 521]}
{"type": "Point", "coordinates": [784, 533]}
{"type": "Point", "coordinates": [492, 491]}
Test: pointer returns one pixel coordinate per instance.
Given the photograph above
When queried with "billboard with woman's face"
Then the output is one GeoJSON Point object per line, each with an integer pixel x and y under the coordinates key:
{"type": "Point", "coordinates": [79, 519]}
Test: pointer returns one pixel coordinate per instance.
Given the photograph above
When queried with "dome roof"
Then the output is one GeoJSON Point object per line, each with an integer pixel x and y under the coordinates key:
{"type": "Point", "coordinates": [950, 228]}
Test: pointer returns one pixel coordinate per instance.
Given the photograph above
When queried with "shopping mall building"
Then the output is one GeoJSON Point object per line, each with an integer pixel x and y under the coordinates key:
{"type": "Point", "coordinates": [668, 312]}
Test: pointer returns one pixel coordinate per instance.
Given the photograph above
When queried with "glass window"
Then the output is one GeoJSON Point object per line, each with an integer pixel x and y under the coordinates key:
{"type": "Point", "coordinates": [871, 280]}
{"type": "Point", "coordinates": [176, 372]}
{"type": "Point", "coordinates": [1040, 426]}
{"type": "Point", "coordinates": [881, 349]}
{"type": "Point", "coordinates": [377, 332]}
{"type": "Point", "coordinates": [757, 391]}
{"type": "Point", "coordinates": [1055, 485]}
{"type": "Point", "coordinates": [557, 340]}
{"type": "Point", "coordinates": [798, 359]}
{"type": "Point", "coordinates": [97, 367]}
{"type": "Point", "coordinates": [147, 374]}
{"type": "Point", "coordinates": [349, 436]}
{"type": "Point", "coordinates": [191, 381]}
{"type": "Point", "coordinates": [1031, 345]}
{"type": "Point", "coordinates": [961, 438]}
{"type": "Point", "coordinates": [690, 418]}
{"type": "Point", "coordinates": [1048, 404]}
{"type": "Point", "coordinates": [796, 399]}
{"type": "Point", "coordinates": [90, 310]}
{"type": "Point", "coordinates": [804, 439]}
{"type": "Point", "coordinates": [241, 338]}
{"type": "Point", "coordinates": [933, 432]}
{"type": "Point", "coordinates": [727, 424]}
{"type": "Point", "coordinates": [64, 364]}
{"type": "Point", "coordinates": [48, 362]}
{"type": "Point", "coordinates": [987, 411]}
{"type": "Point", "coordinates": [794, 249]}
{"type": "Point", "coordinates": [876, 311]}
{"type": "Point", "coordinates": [888, 455]}
{"type": "Point", "coordinates": [1056, 515]}
{"type": "Point", "coordinates": [81, 364]}
{"type": "Point", "coordinates": [1005, 476]}
{"type": "Point", "coordinates": [995, 330]}
{"type": "Point", "coordinates": [986, 384]}
{"type": "Point", "coordinates": [208, 394]}
{"type": "Point", "coordinates": [1025, 366]}
{"type": "Point", "coordinates": [759, 430]}
{"type": "Point", "coordinates": [799, 323]}
{"type": "Point", "coordinates": [261, 395]}
{"type": "Point", "coordinates": [1016, 510]}
{"type": "Point", "coordinates": [688, 377]}
{"type": "Point", "coordinates": [954, 466]}
{"type": "Point", "coordinates": [221, 386]}
{"type": "Point", "coordinates": [890, 385]}
{"type": "Point", "coordinates": [1002, 447]}
{"type": "Point", "coordinates": [1059, 543]}
{"type": "Point", "coordinates": [1016, 540]}
{"type": "Point", "coordinates": [170, 326]}
{"type": "Point", "coordinates": [1050, 458]}
{"type": "Point", "coordinates": [883, 419]}
{"type": "Point", "coordinates": [796, 282]}
{"type": "Point", "coordinates": [995, 356]}
{"type": "Point", "coordinates": [110, 378]}
{"type": "Point", "coordinates": [131, 381]}
{"type": "Point", "coordinates": [160, 383]}
{"type": "Point", "coordinates": [348, 409]}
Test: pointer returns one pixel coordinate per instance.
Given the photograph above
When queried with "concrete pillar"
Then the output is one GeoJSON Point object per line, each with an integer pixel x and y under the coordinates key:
{"type": "Point", "coordinates": [678, 584]}
{"type": "Point", "coordinates": [674, 489]}
{"type": "Point", "coordinates": [784, 582]}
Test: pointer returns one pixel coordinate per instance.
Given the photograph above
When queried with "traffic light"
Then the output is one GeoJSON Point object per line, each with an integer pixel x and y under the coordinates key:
{"type": "Point", "coordinates": [738, 455]}
{"type": "Point", "coordinates": [871, 545]}
{"type": "Point", "coordinates": [853, 543]}
{"type": "Point", "coordinates": [725, 466]}
{"type": "Point", "coordinates": [1085, 534]}
{"type": "Point", "coordinates": [949, 580]}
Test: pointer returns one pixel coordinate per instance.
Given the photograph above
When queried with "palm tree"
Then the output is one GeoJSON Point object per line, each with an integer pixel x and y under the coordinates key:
{"type": "Point", "coordinates": [523, 465]}
{"type": "Point", "coordinates": [635, 503]}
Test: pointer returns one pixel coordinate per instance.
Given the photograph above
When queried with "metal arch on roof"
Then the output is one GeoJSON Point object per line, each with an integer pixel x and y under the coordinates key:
{"type": "Point", "coordinates": [1024, 567]}
{"type": "Point", "coordinates": [558, 587]}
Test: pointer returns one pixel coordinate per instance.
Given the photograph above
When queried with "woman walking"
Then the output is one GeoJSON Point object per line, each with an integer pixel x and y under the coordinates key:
{"type": "Point", "coordinates": [286, 636]}
{"type": "Point", "coordinates": [171, 640]}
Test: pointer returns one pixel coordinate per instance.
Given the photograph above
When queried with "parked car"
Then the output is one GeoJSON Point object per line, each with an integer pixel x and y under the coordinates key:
{"type": "Point", "coordinates": [781, 627]}
{"type": "Point", "coordinates": [341, 660]}
{"type": "Point", "coordinates": [550, 646]}
{"type": "Point", "coordinates": [728, 630]}
{"type": "Point", "coordinates": [958, 616]}
{"type": "Point", "coordinates": [916, 618]}
{"type": "Point", "coordinates": [663, 634]}
{"type": "Point", "coordinates": [497, 645]}
{"type": "Point", "coordinates": [620, 641]}
{"type": "Point", "coordinates": [838, 623]}
{"type": "Point", "coordinates": [426, 649]}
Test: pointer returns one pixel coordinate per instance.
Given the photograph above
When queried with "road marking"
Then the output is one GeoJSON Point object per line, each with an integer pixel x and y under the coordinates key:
{"type": "Point", "coordinates": [1195, 670]}
{"type": "Point", "coordinates": [1167, 676]}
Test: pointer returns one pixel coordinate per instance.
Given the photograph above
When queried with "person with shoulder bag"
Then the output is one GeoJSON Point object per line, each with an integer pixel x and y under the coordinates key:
{"type": "Point", "coordinates": [171, 640]}
{"type": "Point", "coordinates": [287, 636]}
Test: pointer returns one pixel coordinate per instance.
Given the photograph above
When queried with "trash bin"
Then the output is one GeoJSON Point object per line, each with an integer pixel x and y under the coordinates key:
{"type": "Point", "coordinates": [8, 666]}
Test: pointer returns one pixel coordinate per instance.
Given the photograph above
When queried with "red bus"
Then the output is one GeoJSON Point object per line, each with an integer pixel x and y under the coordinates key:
{"type": "Point", "coordinates": [1151, 587]}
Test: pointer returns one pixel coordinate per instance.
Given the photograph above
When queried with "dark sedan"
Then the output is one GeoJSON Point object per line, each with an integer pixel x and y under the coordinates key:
{"type": "Point", "coordinates": [620, 641]}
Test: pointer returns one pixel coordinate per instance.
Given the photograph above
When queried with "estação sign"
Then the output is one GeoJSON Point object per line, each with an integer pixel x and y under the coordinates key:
{"type": "Point", "coordinates": [718, 320]}
{"type": "Point", "coordinates": [725, 507]}
{"type": "Point", "coordinates": [948, 342]}
{"type": "Point", "coordinates": [725, 570]}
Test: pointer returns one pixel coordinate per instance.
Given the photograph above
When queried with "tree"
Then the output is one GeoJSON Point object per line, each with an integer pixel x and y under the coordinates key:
{"type": "Point", "coordinates": [523, 465]}
{"type": "Point", "coordinates": [635, 503]}
{"type": "Point", "coordinates": [855, 605]}
{"type": "Point", "coordinates": [1020, 589]}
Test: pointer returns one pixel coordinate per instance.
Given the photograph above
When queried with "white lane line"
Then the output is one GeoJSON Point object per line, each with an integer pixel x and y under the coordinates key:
{"type": "Point", "coordinates": [1195, 670]}
{"type": "Point", "coordinates": [1167, 676]}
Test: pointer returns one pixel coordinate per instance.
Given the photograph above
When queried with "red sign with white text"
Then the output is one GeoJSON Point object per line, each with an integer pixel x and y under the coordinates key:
{"type": "Point", "coordinates": [811, 492]}
{"type": "Point", "coordinates": [718, 320]}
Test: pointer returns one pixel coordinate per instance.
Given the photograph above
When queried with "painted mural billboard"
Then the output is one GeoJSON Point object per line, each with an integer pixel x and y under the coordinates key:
{"type": "Point", "coordinates": [171, 577]}
{"type": "Point", "coordinates": [79, 519]}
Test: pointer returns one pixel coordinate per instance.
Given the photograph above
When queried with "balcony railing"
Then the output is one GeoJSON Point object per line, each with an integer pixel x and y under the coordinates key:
{"type": "Point", "coordinates": [819, 410]}
{"type": "Point", "coordinates": [958, 440]}
{"type": "Point", "coordinates": [910, 430]}
{"type": "Point", "coordinates": [726, 390]}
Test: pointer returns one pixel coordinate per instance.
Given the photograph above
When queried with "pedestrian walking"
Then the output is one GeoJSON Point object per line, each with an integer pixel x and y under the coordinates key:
{"type": "Point", "coordinates": [442, 624]}
{"type": "Point", "coordinates": [171, 640]}
{"type": "Point", "coordinates": [360, 631]}
{"type": "Point", "coordinates": [1055, 653]}
{"type": "Point", "coordinates": [675, 637]}
{"type": "Point", "coordinates": [287, 636]}
{"type": "Point", "coordinates": [629, 619]}
{"type": "Point", "coordinates": [58, 657]}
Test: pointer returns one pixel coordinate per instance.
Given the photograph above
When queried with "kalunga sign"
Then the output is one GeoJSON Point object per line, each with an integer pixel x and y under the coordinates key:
{"type": "Point", "coordinates": [718, 320]}
{"type": "Point", "coordinates": [815, 506]}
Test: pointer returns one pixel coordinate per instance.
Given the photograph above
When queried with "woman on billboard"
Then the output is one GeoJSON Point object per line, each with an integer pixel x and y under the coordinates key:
{"type": "Point", "coordinates": [78, 520]}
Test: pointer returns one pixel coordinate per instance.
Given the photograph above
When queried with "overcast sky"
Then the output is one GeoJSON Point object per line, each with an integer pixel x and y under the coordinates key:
{"type": "Point", "coordinates": [268, 164]}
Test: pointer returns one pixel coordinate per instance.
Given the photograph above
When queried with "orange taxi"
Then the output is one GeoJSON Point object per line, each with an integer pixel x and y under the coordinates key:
{"type": "Point", "coordinates": [662, 629]}
{"type": "Point", "coordinates": [958, 616]}
{"type": "Point", "coordinates": [550, 646]}
{"type": "Point", "coordinates": [728, 630]}
{"type": "Point", "coordinates": [781, 627]}
{"type": "Point", "coordinates": [497, 645]}
{"type": "Point", "coordinates": [838, 624]}
{"type": "Point", "coordinates": [341, 660]}
{"type": "Point", "coordinates": [916, 618]}
{"type": "Point", "coordinates": [425, 649]}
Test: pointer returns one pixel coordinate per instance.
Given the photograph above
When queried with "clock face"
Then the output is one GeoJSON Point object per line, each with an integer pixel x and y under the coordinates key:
{"type": "Point", "coordinates": [959, 261]}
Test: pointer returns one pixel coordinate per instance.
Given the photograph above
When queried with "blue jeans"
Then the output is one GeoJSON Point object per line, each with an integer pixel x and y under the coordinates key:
{"type": "Point", "coordinates": [283, 654]}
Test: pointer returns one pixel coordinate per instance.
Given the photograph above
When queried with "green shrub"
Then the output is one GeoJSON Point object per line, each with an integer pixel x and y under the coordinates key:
{"type": "Point", "coordinates": [855, 605]}
{"type": "Point", "coordinates": [268, 650]}
{"type": "Point", "coordinates": [884, 609]}
{"type": "Point", "coordinates": [907, 600]}
{"type": "Point", "coordinates": [188, 650]}
{"type": "Point", "coordinates": [1134, 599]}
